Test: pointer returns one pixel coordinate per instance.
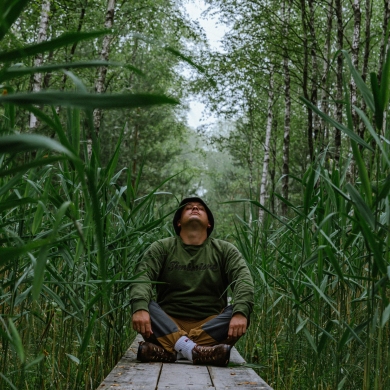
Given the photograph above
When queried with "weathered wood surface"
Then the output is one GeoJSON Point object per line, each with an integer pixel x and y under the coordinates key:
{"type": "Point", "coordinates": [129, 374]}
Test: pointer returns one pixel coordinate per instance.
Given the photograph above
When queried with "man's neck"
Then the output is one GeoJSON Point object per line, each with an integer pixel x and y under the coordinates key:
{"type": "Point", "coordinates": [193, 237]}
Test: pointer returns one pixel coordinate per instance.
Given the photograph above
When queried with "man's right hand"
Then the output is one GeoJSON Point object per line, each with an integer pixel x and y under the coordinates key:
{"type": "Point", "coordinates": [142, 324]}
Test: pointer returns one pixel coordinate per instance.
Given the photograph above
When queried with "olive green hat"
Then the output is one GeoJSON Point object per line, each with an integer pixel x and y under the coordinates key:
{"type": "Point", "coordinates": [177, 215]}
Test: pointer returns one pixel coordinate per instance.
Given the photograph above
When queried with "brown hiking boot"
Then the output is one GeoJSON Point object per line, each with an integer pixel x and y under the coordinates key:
{"type": "Point", "coordinates": [218, 355]}
{"type": "Point", "coordinates": [149, 352]}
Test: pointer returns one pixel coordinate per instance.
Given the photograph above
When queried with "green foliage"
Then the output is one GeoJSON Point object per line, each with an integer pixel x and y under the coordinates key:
{"type": "Point", "coordinates": [322, 305]}
{"type": "Point", "coordinates": [71, 232]}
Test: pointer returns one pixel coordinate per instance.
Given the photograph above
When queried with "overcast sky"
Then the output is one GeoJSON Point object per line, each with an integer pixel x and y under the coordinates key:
{"type": "Point", "coordinates": [214, 33]}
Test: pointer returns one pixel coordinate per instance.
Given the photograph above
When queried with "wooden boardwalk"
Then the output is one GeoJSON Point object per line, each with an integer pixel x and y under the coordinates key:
{"type": "Point", "coordinates": [129, 374]}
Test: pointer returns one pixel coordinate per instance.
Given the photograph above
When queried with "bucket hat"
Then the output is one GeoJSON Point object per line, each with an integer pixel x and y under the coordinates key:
{"type": "Point", "coordinates": [177, 215]}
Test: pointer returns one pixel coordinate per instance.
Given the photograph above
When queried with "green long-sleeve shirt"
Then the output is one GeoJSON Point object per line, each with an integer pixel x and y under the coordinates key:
{"type": "Point", "coordinates": [196, 278]}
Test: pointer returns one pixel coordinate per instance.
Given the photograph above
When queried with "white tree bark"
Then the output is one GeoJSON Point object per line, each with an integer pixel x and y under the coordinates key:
{"type": "Point", "coordinates": [104, 55]}
{"type": "Point", "coordinates": [287, 107]}
{"type": "Point", "coordinates": [367, 37]}
{"type": "Point", "coordinates": [42, 36]}
{"type": "Point", "coordinates": [325, 72]}
{"type": "Point", "coordinates": [250, 157]}
{"type": "Point", "coordinates": [339, 76]}
{"type": "Point", "coordinates": [264, 176]}
{"type": "Point", "coordinates": [355, 55]}
{"type": "Point", "coordinates": [315, 71]}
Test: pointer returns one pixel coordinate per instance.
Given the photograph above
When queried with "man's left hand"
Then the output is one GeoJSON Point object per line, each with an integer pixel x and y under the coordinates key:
{"type": "Point", "coordinates": [237, 326]}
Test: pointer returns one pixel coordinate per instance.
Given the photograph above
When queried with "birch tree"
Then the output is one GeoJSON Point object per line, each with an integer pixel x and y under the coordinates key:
{"type": "Point", "coordinates": [266, 159]}
{"type": "Point", "coordinates": [305, 76]}
{"type": "Point", "coordinates": [325, 73]}
{"type": "Point", "coordinates": [357, 15]}
{"type": "Point", "coordinates": [339, 76]}
{"type": "Point", "coordinates": [104, 55]}
{"type": "Point", "coordinates": [42, 36]}
{"type": "Point", "coordinates": [286, 10]}
{"type": "Point", "coordinates": [314, 127]}
{"type": "Point", "coordinates": [366, 54]}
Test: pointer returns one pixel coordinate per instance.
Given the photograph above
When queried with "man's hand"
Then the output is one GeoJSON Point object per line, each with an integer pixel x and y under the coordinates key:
{"type": "Point", "coordinates": [142, 324]}
{"type": "Point", "coordinates": [237, 326]}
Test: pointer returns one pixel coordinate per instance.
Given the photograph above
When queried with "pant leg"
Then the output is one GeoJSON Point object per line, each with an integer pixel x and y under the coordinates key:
{"type": "Point", "coordinates": [214, 331]}
{"type": "Point", "coordinates": [165, 331]}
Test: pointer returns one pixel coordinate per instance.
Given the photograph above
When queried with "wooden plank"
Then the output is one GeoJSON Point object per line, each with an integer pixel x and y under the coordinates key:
{"type": "Point", "coordinates": [183, 377]}
{"type": "Point", "coordinates": [236, 378]}
{"type": "Point", "coordinates": [129, 375]}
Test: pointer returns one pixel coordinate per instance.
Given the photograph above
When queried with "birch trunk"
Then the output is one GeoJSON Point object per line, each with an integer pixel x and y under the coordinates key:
{"type": "Point", "coordinates": [104, 55]}
{"type": "Point", "coordinates": [314, 75]}
{"type": "Point", "coordinates": [305, 78]}
{"type": "Point", "coordinates": [357, 15]}
{"type": "Point", "coordinates": [273, 167]}
{"type": "Point", "coordinates": [287, 109]}
{"type": "Point", "coordinates": [386, 19]}
{"type": "Point", "coordinates": [367, 34]}
{"type": "Point", "coordinates": [42, 36]}
{"type": "Point", "coordinates": [325, 73]}
{"type": "Point", "coordinates": [263, 184]}
{"type": "Point", "coordinates": [339, 79]}
{"type": "Point", "coordinates": [250, 157]}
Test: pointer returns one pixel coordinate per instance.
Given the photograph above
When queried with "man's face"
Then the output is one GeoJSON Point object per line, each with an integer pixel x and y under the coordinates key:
{"type": "Point", "coordinates": [194, 211]}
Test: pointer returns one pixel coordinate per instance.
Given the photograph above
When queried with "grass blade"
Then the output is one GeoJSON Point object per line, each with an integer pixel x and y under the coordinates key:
{"type": "Point", "coordinates": [87, 100]}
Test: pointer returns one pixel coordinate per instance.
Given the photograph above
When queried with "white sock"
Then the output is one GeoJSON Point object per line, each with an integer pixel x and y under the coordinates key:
{"type": "Point", "coordinates": [185, 346]}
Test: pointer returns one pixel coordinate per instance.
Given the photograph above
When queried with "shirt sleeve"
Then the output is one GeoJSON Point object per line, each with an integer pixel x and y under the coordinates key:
{"type": "Point", "coordinates": [240, 281]}
{"type": "Point", "coordinates": [148, 270]}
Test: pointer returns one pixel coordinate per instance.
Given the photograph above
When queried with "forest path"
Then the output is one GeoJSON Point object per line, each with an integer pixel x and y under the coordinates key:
{"type": "Point", "coordinates": [129, 374]}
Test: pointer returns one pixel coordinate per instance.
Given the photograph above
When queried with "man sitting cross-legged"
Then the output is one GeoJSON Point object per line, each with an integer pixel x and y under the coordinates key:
{"type": "Point", "coordinates": [191, 319]}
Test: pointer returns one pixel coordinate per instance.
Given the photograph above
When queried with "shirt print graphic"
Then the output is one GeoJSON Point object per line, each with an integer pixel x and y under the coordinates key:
{"type": "Point", "coordinates": [176, 266]}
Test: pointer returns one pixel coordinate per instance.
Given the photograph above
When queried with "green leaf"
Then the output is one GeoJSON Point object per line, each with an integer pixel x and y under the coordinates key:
{"type": "Point", "coordinates": [377, 100]}
{"type": "Point", "coordinates": [39, 269]}
{"type": "Point", "coordinates": [111, 166]}
{"type": "Point", "coordinates": [325, 337]}
{"type": "Point", "coordinates": [339, 126]}
{"type": "Point", "coordinates": [38, 217]}
{"type": "Point", "coordinates": [310, 339]}
{"type": "Point", "coordinates": [375, 244]}
{"type": "Point", "coordinates": [8, 381]}
{"type": "Point", "coordinates": [73, 358]}
{"type": "Point", "coordinates": [385, 316]}
{"type": "Point", "coordinates": [258, 204]}
{"type": "Point", "coordinates": [17, 341]}
{"type": "Point", "coordinates": [361, 205]}
{"type": "Point", "coordinates": [87, 100]}
{"type": "Point", "coordinates": [19, 71]}
{"type": "Point", "coordinates": [385, 82]}
{"type": "Point", "coordinates": [384, 191]}
{"type": "Point", "coordinates": [9, 12]}
{"type": "Point", "coordinates": [321, 293]}
{"type": "Point", "coordinates": [34, 164]}
{"type": "Point", "coordinates": [309, 188]}
{"type": "Point", "coordinates": [341, 384]}
{"type": "Point", "coordinates": [363, 88]}
{"type": "Point", "coordinates": [87, 335]}
{"type": "Point", "coordinates": [373, 133]}
{"type": "Point", "coordinates": [37, 360]}
{"type": "Point", "coordinates": [63, 40]}
{"type": "Point", "coordinates": [10, 253]}
{"type": "Point", "coordinates": [28, 142]}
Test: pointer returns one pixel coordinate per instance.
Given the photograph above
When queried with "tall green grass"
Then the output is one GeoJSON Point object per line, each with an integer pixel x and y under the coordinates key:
{"type": "Point", "coordinates": [322, 309]}
{"type": "Point", "coordinates": [71, 230]}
